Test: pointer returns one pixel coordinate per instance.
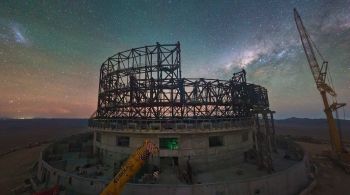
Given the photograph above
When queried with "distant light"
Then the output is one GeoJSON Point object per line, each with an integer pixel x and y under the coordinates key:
{"type": "Point", "coordinates": [25, 118]}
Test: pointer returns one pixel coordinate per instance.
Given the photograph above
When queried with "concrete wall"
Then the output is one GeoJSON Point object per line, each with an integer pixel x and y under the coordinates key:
{"type": "Point", "coordinates": [196, 146]}
{"type": "Point", "coordinates": [287, 182]}
{"type": "Point", "coordinates": [73, 183]}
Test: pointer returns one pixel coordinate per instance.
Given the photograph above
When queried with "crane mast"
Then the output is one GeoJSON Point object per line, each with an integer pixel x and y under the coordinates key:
{"type": "Point", "coordinates": [320, 74]}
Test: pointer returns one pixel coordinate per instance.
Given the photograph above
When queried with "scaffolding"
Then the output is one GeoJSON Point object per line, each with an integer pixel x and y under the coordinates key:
{"type": "Point", "coordinates": [142, 89]}
{"type": "Point", "coordinates": [146, 83]}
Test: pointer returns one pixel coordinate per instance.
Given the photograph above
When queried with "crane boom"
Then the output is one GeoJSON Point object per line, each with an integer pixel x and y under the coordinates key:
{"type": "Point", "coordinates": [130, 168]}
{"type": "Point", "coordinates": [319, 74]}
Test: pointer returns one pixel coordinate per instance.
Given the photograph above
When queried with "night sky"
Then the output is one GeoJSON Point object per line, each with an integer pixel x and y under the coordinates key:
{"type": "Point", "coordinates": [51, 51]}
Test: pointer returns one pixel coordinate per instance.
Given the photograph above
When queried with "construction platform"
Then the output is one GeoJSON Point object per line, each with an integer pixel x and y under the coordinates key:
{"type": "Point", "coordinates": [71, 163]}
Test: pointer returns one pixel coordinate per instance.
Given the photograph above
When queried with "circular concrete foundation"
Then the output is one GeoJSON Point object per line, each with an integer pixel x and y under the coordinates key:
{"type": "Point", "coordinates": [71, 164]}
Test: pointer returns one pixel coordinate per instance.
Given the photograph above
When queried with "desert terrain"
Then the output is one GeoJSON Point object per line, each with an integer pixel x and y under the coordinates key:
{"type": "Point", "coordinates": [22, 140]}
{"type": "Point", "coordinates": [313, 136]}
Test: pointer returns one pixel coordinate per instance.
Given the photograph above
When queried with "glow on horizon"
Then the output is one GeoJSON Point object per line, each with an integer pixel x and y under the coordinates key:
{"type": "Point", "coordinates": [50, 59]}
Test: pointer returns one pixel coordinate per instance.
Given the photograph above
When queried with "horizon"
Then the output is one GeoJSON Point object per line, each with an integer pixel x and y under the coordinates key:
{"type": "Point", "coordinates": [50, 65]}
{"type": "Point", "coordinates": [43, 118]}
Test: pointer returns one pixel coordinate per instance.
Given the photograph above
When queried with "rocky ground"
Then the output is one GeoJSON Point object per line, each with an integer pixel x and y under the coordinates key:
{"type": "Point", "coordinates": [16, 167]}
{"type": "Point", "coordinates": [330, 178]}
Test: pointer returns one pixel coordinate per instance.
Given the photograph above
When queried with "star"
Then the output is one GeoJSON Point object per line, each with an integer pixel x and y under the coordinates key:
{"type": "Point", "coordinates": [52, 52]}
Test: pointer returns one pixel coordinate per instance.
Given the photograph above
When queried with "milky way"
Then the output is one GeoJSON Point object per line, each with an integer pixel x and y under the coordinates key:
{"type": "Point", "coordinates": [50, 52]}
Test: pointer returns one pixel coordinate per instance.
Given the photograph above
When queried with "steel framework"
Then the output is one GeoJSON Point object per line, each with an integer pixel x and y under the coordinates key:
{"type": "Point", "coordinates": [146, 83]}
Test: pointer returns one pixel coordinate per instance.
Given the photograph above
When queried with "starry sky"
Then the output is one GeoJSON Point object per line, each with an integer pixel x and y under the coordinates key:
{"type": "Point", "coordinates": [51, 51]}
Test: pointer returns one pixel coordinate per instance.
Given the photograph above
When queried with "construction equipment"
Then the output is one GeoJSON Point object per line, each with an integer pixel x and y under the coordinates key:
{"type": "Point", "coordinates": [130, 168]}
{"type": "Point", "coordinates": [324, 85]}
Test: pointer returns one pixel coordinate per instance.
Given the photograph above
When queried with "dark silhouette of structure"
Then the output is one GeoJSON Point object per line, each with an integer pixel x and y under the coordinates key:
{"type": "Point", "coordinates": [202, 127]}
{"type": "Point", "coordinates": [146, 83]}
{"type": "Point", "coordinates": [142, 88]}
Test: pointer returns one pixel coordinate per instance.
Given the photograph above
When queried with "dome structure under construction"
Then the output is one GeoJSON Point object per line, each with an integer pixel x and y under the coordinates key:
{"type": "Point", "coordinates": [215, 136]}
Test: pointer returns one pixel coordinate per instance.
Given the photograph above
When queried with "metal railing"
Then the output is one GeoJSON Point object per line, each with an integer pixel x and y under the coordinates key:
{"type": "Point", "coordinates": [172, 125]}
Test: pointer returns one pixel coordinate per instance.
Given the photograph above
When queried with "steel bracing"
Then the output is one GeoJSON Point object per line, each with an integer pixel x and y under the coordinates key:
{"type": "Point", "coordinates": [141, 90]}
{"type": "Point", "coordinates": [146, 83]}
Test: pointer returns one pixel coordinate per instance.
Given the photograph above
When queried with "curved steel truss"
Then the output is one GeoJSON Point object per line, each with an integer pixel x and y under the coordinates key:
{"type": "Point", "coordinates": [146, 83]}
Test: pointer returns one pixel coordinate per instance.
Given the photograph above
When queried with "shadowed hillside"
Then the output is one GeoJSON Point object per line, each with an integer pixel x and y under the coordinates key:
{"type": "Point", "coordinates": [315, 128]}
{"type": "Point", "coordinates": [17, 133]}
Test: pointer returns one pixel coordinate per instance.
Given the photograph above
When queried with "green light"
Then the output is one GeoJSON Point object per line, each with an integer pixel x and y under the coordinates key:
{"type": "Point", "coordinates": [169, 143]}
{"type": "Point", "coordinates": [172, 145]}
